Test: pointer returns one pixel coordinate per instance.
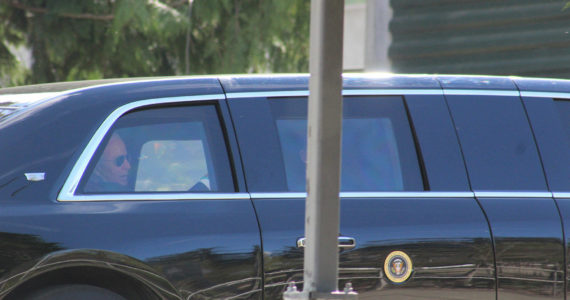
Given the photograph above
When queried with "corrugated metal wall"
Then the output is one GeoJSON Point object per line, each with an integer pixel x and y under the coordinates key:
{"type": "Point", "coordinates": [495, 37]}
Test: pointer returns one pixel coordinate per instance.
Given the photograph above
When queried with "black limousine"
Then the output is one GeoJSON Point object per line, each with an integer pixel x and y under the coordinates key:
{"type": "Point", "coordinates": [453, 187]}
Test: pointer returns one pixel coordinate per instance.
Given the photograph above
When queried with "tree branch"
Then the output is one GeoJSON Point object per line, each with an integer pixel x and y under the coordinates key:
{"type": "Point", "coordinates": [40, 10]}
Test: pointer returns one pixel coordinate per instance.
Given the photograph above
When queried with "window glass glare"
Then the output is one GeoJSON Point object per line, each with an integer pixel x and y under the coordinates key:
{"type": "Point", "coordinates": [370, 157]}
{"type": "Point", "coordinates": [176, 149]}
{"type": "Point", "coordinates": [378, 152]}
{"type": "Point", "coordinates": [372, 160]}
{"type": "Point", "coordinates": [171, 165]}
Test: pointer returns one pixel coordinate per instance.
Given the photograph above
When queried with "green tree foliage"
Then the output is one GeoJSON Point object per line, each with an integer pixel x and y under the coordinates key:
{"type": "Point", "coordinates": [79, 39]}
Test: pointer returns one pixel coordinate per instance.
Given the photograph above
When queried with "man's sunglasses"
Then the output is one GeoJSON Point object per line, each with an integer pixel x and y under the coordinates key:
{"type": "Point", "coordinates": [120, 160]}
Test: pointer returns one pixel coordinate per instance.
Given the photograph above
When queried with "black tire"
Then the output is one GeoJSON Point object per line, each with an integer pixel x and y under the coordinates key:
{"type": "Point", "coordinates": [74, 292]}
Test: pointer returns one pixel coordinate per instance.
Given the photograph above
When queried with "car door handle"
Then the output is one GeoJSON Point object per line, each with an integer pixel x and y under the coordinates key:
{"type": "Point", "coordinates": [344, 242]}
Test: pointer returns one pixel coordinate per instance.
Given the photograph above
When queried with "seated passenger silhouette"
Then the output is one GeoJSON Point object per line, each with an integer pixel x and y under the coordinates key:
{"type": "Point", "coordinates": [111, 174]}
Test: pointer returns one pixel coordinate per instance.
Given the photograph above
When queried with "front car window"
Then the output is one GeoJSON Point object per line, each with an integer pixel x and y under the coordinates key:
{"type": "Point", "coordinates": [171, 149]}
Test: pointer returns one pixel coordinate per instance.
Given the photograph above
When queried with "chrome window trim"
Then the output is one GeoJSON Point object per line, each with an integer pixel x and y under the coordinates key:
{"type": "Point", "coordinates": [379, 92]}
{"type": "Point", "coordinates": [427, 194]}
{"type": "Point", "coordinates": [513, 194]}
{"type": "Point", "coordinates": [290, 195]}
{"type": "Point", "coordinates": [159, 197]}
{"type": "Point", "coordinates": [67, 193]}
{"type": "Point", "coordinates": [561, 195]}
{"type": "Point", "coordinates": [278, 195]}
{"type": "Point", "coordinates": [394, 92]}
{"type": "Point", "coordinates": [545, 95]}
{"type": "Point", "coordinates": [265, 94]}
{"type": "Point", "coordinates": [467, 92]}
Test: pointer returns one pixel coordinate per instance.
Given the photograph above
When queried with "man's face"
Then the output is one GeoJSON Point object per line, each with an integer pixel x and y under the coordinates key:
{"type": "Point", "coordinates": [114, 165]}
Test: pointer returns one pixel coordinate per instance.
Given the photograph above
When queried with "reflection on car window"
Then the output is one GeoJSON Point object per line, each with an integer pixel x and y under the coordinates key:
{"type": "Point", "coordinates": [378, 153]}
{"type": "Point", "coordinates": [164, 164]}
{"type": "Point", "coordinates": [176, 149]}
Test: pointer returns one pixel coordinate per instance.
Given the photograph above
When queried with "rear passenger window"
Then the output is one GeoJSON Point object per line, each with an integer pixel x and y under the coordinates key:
{"type": "Point", "coordinates": [563, 107]}
{"type": "Point", "coordinates": [378, 150]}
{"type": "Point", "coordinates": [497, 143]}
{"type": "Point", "coordinates": [173, 149]}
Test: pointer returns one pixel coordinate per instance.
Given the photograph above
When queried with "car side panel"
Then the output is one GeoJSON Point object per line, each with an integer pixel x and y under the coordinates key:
{"type": "Point", "coordinates": [206, 248]}
{"type": "Point", "coordinates": [507, 177]}
{"type": "Point", "coordinates": [554, 147]}
{"type": "Point", "coordinates": [447, 238]}
{"type": "Point", "coordinates": [203, 248]}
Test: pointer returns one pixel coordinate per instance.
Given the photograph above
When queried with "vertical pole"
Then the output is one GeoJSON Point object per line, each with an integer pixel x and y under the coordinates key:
{"type": "Point", "coordinates": [323, 153]}
{"type": "Point", "coordinates": [323, 146]}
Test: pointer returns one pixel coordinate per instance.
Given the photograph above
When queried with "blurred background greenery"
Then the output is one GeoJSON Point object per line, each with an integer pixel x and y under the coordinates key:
{"type": "Point", "coordinates": [62, 40]}
{"type": "Point", "coordinates": [78, 39]}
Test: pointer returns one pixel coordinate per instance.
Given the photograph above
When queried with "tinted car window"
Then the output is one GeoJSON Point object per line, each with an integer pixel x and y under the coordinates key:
{"type": "Point", "coordinates": [563, 107]}
{"type": "Point", "coordinates": [174, 149]}
{"type": "Point", "coordinates": [378, 152]}
{"type": "Point", "coordinates": [497, 143]}
{"type": "Point", "coordinates": [550, 133]}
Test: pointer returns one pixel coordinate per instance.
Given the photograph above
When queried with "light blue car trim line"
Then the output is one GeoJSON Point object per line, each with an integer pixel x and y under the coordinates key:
{"type": "Point", "coordinates": [406, 194]}
{"type": "Point", "coordinates": [387, 92]}
{"type": "Point", "coordinates": [268, 94]}
{"type": "Point", "coordinates": [563, 195]}
{"type": "Point", "coordinates": [515, 194]}
{"type": "Point", "coordinates": [380, 92]}
{"type": "Point", "coordinates": [481, 92]}
{"type": "Point", "coordinates": [545, 95]}
{"type": "Point", "coordinates": [278, 195]}
{"type": "Point", "coordinates": [158, 197]}
{"type": "Point", "coordinates": [479, 194]}
{"type": "Point", "coordinates": [67, 193]}
{"type": "Point", "coordinates": [370, 195]}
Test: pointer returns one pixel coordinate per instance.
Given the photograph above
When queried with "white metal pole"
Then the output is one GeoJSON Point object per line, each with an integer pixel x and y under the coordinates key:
{"type": "Point", "coordinates": [323, 146]}
{"type": "Point", "coordinates": [323, 154]}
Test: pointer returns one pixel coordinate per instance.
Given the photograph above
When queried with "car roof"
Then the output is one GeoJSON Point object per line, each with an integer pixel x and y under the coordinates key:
{"type": "Point", "coordinates": [284, 82]}
{"type": "Point", "coordinates": [64, 86]}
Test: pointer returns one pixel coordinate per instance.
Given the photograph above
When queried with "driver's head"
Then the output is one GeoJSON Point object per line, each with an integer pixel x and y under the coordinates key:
{"type": "Point", "coordinates": [114, 165]}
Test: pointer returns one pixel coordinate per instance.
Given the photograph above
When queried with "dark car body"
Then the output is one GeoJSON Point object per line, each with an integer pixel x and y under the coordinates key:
{"type": "Point", "coordinates": [469, 176]}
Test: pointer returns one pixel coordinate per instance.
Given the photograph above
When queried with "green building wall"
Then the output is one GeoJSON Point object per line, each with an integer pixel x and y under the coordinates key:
{"type": "Point", "coordinates": [494, 37]}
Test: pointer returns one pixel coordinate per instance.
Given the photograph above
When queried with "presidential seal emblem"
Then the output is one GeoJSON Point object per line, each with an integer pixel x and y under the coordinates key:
{"type": "Point", "coordinates": [398, 267]}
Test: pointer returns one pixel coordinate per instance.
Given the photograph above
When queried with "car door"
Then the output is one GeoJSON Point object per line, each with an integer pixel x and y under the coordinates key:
{"type": "Point", "coordinates": [507, 177]}
{"type": "Point", "coordinates": [183, 172]}
{"type": "Point", "coordinates": [410, 228]}
{"type": "Point", "coordinates": [548, 108]}
{"type": "Point", "coordinates": [179, 223]}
